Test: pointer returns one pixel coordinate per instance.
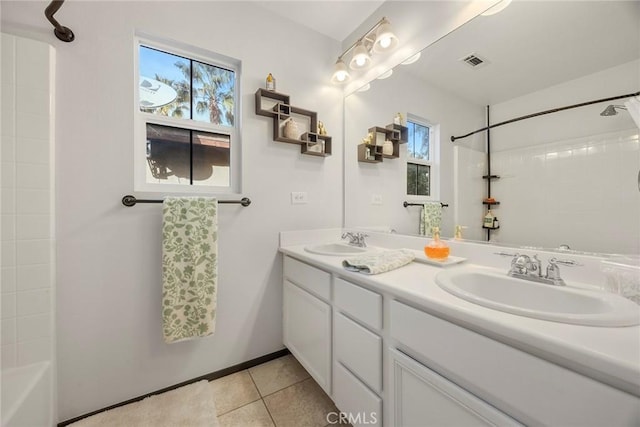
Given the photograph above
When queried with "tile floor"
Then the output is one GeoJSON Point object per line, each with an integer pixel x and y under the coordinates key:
{"type": "Point", "coordinates": [279, 393]}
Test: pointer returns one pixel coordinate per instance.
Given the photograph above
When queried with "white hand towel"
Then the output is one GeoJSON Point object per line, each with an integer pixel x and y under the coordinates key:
{"type": "Point", "coordinates": [379, 262]}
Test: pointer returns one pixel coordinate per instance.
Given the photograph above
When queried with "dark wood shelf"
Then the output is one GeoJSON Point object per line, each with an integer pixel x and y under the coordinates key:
{"type": "Point", "coordinates": [395, 133]}
{"type": "Point", "coordinates": [490, 203]}
{"type": "Point", "coordinates": [491, 177]}
{"type": "Point", "coordinates": [280, 110]}
{"type": "Point", "coordinates": [491, 228]}
{"type": "Point", "coordinates": [376, 150]}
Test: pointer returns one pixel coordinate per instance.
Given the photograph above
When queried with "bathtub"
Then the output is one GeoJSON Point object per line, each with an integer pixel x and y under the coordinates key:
{"type": "Point", "coordinates": [26, 396]}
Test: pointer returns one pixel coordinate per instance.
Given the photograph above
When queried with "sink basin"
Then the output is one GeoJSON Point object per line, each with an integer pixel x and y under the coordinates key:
{"type": "Point", "coordinates": [336, 249]}
{"type": "Point", "coordinates": [541, 301]}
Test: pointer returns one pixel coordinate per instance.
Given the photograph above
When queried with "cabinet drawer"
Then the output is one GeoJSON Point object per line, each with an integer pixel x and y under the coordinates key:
{"type": "Point", "coordinates": [360, 303]}
{"type": "Point", "coordinates": [355, 400]}
{"type": "Point", "coordinates": [528, 388]}
{"type": "Point", "coordinates": [310, 278]}
{"type": "Point", "coordinates": [359, 350]}
{"type": "Point", "coordinates": [422, 397]}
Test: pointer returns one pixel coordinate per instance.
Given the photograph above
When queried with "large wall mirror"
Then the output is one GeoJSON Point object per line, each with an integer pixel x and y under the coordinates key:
{"type": "Point", "coordinates": [567, 178]}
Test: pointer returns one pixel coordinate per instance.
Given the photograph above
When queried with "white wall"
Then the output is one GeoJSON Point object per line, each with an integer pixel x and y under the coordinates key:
{"type": "Point", "coordinates": [405, 93]}
{"type": "Point", "coordinates": [572, 174]}
{"type": "Point", "coordinates": [27, 204]}
{"type": "Point", "coordinates": [110, 345]}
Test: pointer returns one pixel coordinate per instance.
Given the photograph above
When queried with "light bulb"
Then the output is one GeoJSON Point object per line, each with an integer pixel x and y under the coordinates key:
{"type": "Point", "coordinates": [341, 76]}
{"type": "Point", "coordinates": [385, 42]}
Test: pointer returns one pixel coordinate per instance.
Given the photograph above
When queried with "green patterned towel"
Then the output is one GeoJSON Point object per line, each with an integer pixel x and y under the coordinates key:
{"type": "Point", "coordinates": [189, 267]}
{"type": "Point", "coordinates": [430, 217]}
{"type": "Point", "coordinates": [379, 262]}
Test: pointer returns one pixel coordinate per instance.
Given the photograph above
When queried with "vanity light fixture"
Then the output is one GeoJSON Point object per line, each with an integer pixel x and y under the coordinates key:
{"type": "Point", "coordinates": [386, 74]}
{"type": "Point", "coordinates": [498, 7]}
{"type": "Point", "coordinates": [411, 59]}
{"type": "Point", "coordinates": [379, 39]}
{"type": "Point", "coordinates": [340, 73]}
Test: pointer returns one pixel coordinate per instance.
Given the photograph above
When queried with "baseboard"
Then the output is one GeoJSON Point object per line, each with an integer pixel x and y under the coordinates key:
{"type": "Point", "coordinates": [209, 377]}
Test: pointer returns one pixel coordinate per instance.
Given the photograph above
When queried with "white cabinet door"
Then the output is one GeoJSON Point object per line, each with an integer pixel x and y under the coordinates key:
{"type": "Point", "coordinates": [421, 397]}
{"type": "Point", "coordinates": [307, 332]}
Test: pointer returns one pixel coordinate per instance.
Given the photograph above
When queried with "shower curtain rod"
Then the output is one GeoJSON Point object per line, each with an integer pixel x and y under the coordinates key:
{"type": "Point", "coordinates": [130, 201]}
{"type": "Point", "coordinates": [62, 33]}
{"type": "Point", "coordinates": [541, 113]}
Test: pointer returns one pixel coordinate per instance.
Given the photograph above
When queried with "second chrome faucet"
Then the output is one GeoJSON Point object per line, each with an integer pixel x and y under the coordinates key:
{"type": "Point", "coordinates": [530, 268]}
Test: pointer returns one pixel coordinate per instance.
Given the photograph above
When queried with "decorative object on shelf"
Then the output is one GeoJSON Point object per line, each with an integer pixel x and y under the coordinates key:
{"type": "Point", "coordinates": [398, 119]}
{"type": "Point", "coordinates": [278, 107]}
{"type": "Point", "coordinates": [290, 129]}
{"type": "Point", "coordinates": [382, 142]}
{"type": "Point", "coordinates": [387, 148]}
{"type": "Point", "coordinates": [379, 39]}
{"type": "Point", "coordinates": [490, 221]}
{"type": "Point", "coordinates": [271, 83]}
{"type": "Point", "coordinates": [321, 129]}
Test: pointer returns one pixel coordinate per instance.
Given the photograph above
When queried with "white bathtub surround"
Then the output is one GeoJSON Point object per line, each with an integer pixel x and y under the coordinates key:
{"type": "Point", "coordinates": [28, 336]}
{"type": "Point", "coordinates": [25, 392]}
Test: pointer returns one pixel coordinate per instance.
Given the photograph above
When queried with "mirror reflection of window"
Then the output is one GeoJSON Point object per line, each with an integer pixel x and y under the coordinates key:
{"type": "Point", "coordinates": [420, 156]}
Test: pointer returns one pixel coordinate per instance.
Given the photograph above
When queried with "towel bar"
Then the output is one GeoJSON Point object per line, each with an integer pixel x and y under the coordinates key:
{"type": "Point", "coordinates": [405, 204]}
{"type": "Point", "coordinates": [130, 201]}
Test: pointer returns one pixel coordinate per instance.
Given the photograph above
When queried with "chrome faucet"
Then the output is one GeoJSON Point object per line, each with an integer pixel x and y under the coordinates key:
{"type": "Point", "coordinates": [530, 268]}
{"type": "Point", "coordinates": [356, 239]}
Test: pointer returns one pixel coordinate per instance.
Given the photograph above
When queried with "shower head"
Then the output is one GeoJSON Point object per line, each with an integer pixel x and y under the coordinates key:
{"type": "Point", "coordinates": [611, 110]}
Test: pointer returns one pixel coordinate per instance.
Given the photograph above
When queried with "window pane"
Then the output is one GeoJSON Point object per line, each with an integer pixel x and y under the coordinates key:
{"type": "Point", "coordinates": [410, 144]}
{"type": "Point", "coordinates": [213, 99]}
{"type": "Point", "coordinates": [424, 181]}
{"type": "Point", "coordinates": [164, 87]}
{"type": "Point", "coordinates": [419, 141]}
{"type": "Point", "coordinates": [168, 155]}
{"type": "Point", "coordinates": [412, 178]}
{"type": "Point", "coordinates": [211, 159]}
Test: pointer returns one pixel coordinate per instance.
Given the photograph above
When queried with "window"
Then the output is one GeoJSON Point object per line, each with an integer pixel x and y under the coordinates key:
{"type": "Point", "coordinates": [422, 158]}
{"type": "Point", "coordinates": [187, 137]}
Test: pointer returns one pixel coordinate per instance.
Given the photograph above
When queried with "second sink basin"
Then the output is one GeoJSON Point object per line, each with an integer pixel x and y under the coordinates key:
{"type": "Point", "coordinates": [547, 302]}
{"type": "Point", "coordinates": [335, 249]}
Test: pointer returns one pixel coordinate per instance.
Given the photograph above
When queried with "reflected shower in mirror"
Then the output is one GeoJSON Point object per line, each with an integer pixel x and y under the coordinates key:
{"type": "Point", "coordinates": [565, 179]}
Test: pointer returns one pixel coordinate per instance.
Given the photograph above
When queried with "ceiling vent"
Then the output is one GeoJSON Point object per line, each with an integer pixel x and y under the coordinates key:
{"type": "Point", "coordinates": [474, 61]}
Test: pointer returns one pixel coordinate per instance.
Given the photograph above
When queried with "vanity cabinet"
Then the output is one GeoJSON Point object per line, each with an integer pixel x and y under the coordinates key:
{"type": "Point", "coordinates": [421, 397]}
{"type": "Point", "coordinates": [307, 319]}
{"type": "Point", "coordinates": [529, 389]}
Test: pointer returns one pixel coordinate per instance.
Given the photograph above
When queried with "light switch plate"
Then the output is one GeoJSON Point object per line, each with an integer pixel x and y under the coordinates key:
{"type": "Point", "coordinates": [376, 199]}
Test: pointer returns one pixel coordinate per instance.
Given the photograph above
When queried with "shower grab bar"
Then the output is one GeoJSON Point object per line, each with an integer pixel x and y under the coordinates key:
{"type": "Point", "coordinates": [61, 32]}
{"type": "Point", "coordinates": [405, 204]}
{"type": "Point", "coordinates": [541, 113]}
{"type": "Point", "coordinates": [130, 201]}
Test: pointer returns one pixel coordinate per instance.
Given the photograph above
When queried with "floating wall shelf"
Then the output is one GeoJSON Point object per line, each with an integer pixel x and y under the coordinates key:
{"type": "Point", "coordinates": [397, 134]}
{"type": "Point", "coordinates": [311, 142]}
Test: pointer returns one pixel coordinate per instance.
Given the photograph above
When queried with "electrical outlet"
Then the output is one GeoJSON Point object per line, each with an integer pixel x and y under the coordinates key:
{"type": "Point", "coordinates": [376, 199]}
{"type": "Point", "coordinates": [299, 198]}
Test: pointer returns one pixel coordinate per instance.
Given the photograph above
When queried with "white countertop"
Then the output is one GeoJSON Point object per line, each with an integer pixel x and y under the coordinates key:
{"type": "Point", "coordinates": [609, 355]}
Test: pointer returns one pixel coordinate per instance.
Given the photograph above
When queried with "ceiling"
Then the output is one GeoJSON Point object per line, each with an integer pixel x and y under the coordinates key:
{"type": "Point", "coordinates": [532, 45]}
{"type": "Point", "coordinates": [333, 18]}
